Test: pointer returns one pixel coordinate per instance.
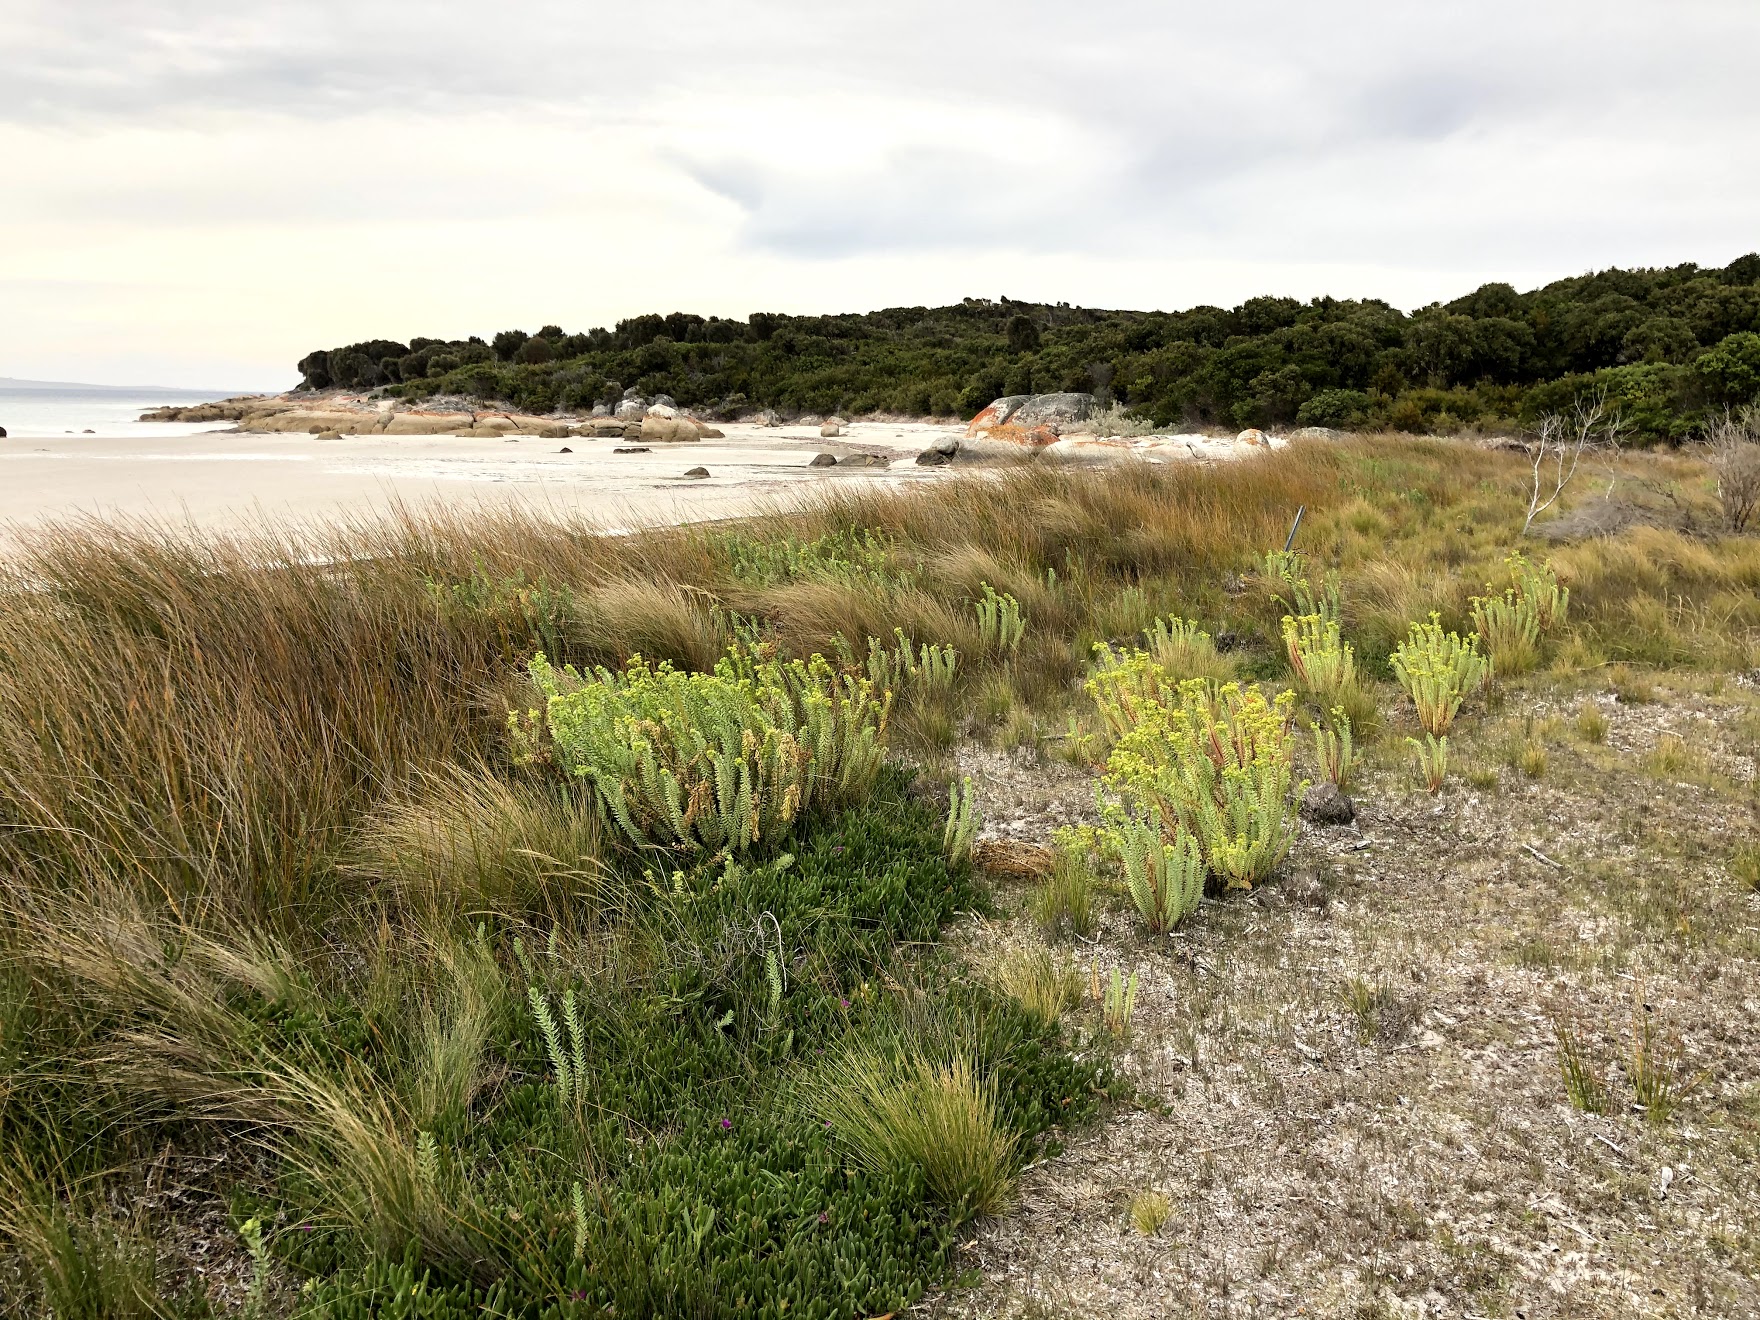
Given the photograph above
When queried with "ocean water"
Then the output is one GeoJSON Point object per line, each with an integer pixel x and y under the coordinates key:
{"type": "Point", "coordinates": [40, 411]}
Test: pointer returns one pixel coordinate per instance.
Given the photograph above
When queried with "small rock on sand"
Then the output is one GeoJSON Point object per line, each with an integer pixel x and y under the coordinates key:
{"type": "Point", "coordinates": [565, 450]}
{"type": "Point", "coordinates": [632, 449]}
{"type": "Point", "coordinates": [864, 460]}
{"type": "Point", "coordinates": [697, 473]}
{"type": "Point", "coordinates": [823, 460]}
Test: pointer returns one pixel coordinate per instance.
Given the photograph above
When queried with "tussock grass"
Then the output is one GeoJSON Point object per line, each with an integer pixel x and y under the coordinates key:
{"type": "Point", "coordinates": [924, 1114]}
{"type": "Point", "coordinates": [1040, 981]}
{"type": "Point", "coordinates": [656, 620]}
{"type": "Point", "coordinates": [466, 841]}
{"type": "Point", "coordinates": [75, 1260]}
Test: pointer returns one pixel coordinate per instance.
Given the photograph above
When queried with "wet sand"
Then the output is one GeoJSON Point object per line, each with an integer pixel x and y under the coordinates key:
{"type": "Point", "coordinates": [221, 480]}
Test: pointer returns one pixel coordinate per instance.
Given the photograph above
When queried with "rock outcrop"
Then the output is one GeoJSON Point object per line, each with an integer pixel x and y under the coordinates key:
{"type": "Point", "coordinates": [1023, 424]}
{"type": "Point", "coordinates": [673, 430]}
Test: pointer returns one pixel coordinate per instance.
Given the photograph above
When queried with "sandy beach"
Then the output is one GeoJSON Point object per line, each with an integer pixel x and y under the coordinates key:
{"type": "Point", "coordinates": [222, 479]}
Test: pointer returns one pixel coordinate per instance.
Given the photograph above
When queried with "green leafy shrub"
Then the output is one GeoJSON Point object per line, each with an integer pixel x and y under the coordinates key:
{"type": "Point", "coordinates": [1731, 370]}
{"type": "Point", "coordinates": [1165, 880]}
{"type": "Point", "coordinates": [1437, 670]}
{"type": "Point", "coordinates": [1671, 341]}
{"type": "Point", "coordinates": [716, 761]}
{"type": "Point", "coordinates": [1216, 763]}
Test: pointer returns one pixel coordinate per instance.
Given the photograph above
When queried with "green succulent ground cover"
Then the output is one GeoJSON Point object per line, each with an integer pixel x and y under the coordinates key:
{"type": "Point", "coordinates": [691, 1172]}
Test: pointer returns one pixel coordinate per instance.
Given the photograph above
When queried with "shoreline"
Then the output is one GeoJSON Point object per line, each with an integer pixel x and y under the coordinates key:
{"type": "Point", "coordinates": [226, 480]}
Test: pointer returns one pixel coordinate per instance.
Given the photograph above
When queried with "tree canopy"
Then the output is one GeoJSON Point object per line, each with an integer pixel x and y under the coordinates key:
{"type": "Point", "coordinates": [1667, 346]}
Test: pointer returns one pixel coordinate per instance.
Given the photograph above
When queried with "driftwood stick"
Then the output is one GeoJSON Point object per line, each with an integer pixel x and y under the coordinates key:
{"type": "Point", "coordinates": [1532, 851]}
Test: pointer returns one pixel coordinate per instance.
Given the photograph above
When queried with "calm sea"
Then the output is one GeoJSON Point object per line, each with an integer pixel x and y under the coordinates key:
{"type": "Point", "coordinates": [39, 411]}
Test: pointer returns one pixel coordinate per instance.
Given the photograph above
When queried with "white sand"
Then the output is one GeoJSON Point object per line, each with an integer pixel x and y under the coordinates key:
{"type": "Point", "coordinates": [227, 481]}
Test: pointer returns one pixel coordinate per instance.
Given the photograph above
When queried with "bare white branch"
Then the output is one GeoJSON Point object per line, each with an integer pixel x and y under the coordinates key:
{"type": "Point", "coordinates": [1560, 442]}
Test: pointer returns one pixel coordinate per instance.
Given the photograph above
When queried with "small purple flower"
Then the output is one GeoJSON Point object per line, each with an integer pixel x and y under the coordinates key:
{"type": "Point", "coordinates": [844, 1002]}
{"type": "Point", "coordinates": [824, 1218]}
{"type": "Point", "coordinates": [578, 1295]}
{"type": "Point", "coordinates": [726, 1124]}
{"type": "Point", "coordinates": [837, 851]}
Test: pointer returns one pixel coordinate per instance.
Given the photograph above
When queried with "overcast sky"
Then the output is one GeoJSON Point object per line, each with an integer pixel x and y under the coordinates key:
{"type": "Point", "coordinates": [197, 193]}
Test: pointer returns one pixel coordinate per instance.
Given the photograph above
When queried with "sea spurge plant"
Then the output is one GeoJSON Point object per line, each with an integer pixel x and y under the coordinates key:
{"type": "Point", "coordinates": [961, 829]}
{"type": "Point", "coordinates": [847, 556]}
{"type": "Point", "coordinates": [1218, 764]}
{"type": "Point", "coordinates": [1119, 1003]}
{"type": "Point", "coordinates": [1432, 754]}
{"type": "Point", "coordinates": [1539, 586]}
{"type": "Point", "coordinates": [1437, 670]}
{"type": "Point", "coordinates": [1127, 684]}
{"type": "Point", "coordinates": [565, 1042]}
{"type": "Point", "coordinates": [1000, 625]}
{"type": "Point", "coordinates": [715, 761]}
{"type": "Point", "coordinates": [1288, 576]}
{"type": "Point", "coordinates": [928, 669]}
{"type": "Point", "coordinates": [1334, 751]}
{"type": "Point", "coordinates": [1165, 880]}
{"type": "Point", "coordinates": [1322, 661]}
{"type": "Point", "coordinates": [1510, 627]}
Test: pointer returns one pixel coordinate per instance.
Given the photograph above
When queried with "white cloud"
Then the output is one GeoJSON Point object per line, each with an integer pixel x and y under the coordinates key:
{"type": "Point", "coordinates": [202, 193]}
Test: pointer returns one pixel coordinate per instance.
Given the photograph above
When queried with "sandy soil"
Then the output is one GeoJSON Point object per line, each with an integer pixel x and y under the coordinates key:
{"type": "Point", "coordinates": [222, 479]}
{"type": "Point", "coordinates": [1347, 1083]}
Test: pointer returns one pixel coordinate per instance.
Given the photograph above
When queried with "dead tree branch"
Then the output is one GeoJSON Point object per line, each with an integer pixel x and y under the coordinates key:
{"type": "Point", "coordinates": [1560, 442]}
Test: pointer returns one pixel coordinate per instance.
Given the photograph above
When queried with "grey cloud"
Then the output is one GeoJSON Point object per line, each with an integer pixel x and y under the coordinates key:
{"type": "Point", "coordinates": [1197, 118]}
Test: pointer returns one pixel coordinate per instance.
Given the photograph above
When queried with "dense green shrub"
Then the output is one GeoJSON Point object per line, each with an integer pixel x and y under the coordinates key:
{"type": "Point", "coordinates": [719, 761]}
{"type": "Point", "coordinates": [1731, 371]}
{"type": "Point", "coordinates": [1661, 343]}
